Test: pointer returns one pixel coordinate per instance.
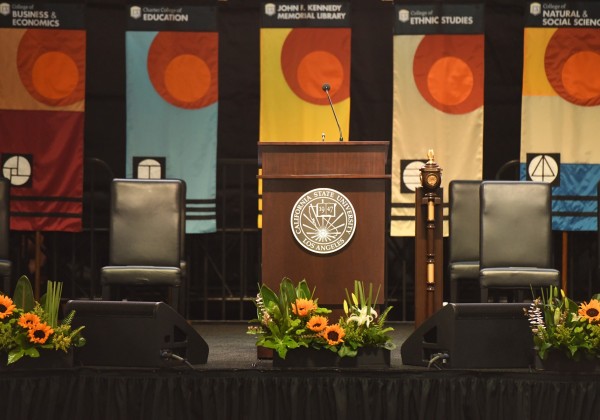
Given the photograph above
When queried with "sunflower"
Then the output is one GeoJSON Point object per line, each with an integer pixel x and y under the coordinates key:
{"type": "Point", "coordinates": [6, 306]}
{"type": "Point", "coordinates": [334, 334]}
{"type": "Point", "coordinates": [39, 333]}
{"type": "Point", "coordinates": [28, 320]}
{"type": "Point", "coordinates": [303, 307]}
{"type": "Point", "coordinates": [590, 311]}
{"type": "Point", "coordinates": [317, 323]}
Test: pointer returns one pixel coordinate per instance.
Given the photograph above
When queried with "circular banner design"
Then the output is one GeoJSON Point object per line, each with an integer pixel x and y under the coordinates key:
{"type": "Point", "coordinates": [323, 220]}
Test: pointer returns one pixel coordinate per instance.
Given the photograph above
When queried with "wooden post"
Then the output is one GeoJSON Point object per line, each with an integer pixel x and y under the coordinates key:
{"type": "Point", "coordinates": [429, 273]}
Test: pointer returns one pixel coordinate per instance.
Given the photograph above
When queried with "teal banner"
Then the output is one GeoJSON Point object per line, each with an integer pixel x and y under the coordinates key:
{"type": "Point", "coordinates": [172, 107]}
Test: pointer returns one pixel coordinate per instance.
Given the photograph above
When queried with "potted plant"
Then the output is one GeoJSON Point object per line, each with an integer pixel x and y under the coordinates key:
{"type": "Point", "coordinates": [293, 324]}
{"type": "Point", "coordinates": [30, 328]}
{"type": "Point", "coordinates": [566, 335]}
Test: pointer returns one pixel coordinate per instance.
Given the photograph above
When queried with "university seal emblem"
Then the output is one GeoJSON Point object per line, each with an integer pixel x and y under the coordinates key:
{"type": "Point", "coordinates": [323, 221]}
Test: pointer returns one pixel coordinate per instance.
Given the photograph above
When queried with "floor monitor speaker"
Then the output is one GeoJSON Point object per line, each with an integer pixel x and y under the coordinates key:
{"type": "Point", "coordinates": [472, 335]}
{"type": "Point", "coordinates": [135, 334]}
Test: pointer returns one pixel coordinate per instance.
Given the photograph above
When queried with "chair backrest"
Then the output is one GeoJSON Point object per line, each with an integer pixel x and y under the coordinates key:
{"type": "Point", "coordinates": [4, 218]}
{"type": "Point", "coordinates": [516, 224]}
{"type": "Point", "coordinates": [146, 222]}
{"type": "Point", "coordinates": [464, 220]}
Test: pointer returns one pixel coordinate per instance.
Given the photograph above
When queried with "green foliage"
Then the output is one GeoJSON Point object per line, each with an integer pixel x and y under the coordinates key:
{"type": "Point", "coordinates": [363, 326]}
{"type": "Point", "coordinates": [292, 318]}
{"type": "Point", "coordinates": [27, 326]}
{"type": "Point", "coordinates": [560, 324]}
{"type": "Point", "coordinates": [23, 295]}
{"type": "Point", "coordinates": [280, 329]}
{"type": "Point", "coordinates": [52, 302]}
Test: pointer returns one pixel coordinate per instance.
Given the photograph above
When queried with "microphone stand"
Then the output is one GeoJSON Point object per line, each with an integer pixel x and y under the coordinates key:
{"type": "Point", "coordinates": [326, 88]}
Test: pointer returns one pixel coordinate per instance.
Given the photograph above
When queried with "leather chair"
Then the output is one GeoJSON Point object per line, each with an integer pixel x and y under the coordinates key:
{"type": "Point", "coordinates": [515, 246]}
{"type": "Point", "coordinates": [5, 263]}
{"type": "Point", "coordinates": [464, 235]}
{"type": "Point", "coordinates": [146, 230]}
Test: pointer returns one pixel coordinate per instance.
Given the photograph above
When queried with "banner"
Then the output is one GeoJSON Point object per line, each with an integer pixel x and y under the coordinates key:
{"type": "Point", "coordinates": [42, 102]}
{"type": "Point", "coordinates": [561, 108]}
{"type": "Point", "coordinates": [302, 48]}
{"type": "Point", "coordinates": [304, 55]}
{"type": "Point", "coordinates": [438, 101]}
{"type": "Point", "coordinates": [172, 103]}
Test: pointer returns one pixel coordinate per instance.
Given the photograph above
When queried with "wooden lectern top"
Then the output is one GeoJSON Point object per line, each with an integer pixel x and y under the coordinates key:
{"type": "Point", "coordinates": [318, 159]}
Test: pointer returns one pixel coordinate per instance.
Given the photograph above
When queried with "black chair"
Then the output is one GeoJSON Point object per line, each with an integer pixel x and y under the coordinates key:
{"type": "Point", "coordinates": [147, 226]}
{"type": "Point", "coordinates": [464, 235]}
{"type": "Point", "coordinates": [5, 263]}
{"type": "Point", "coordinates": [515, 247]}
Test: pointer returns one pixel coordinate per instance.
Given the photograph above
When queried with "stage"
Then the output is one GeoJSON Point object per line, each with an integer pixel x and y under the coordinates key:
{"type": "Point", "coordinates": [234, 384]}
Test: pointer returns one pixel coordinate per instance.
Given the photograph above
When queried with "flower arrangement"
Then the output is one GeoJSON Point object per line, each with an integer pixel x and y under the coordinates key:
{"type": "Point", "coordinates": [560, 324]}
{"type": "Point", "coordinates": [293, 319]}
{"type": "Point", "coordinates": [27, 326]}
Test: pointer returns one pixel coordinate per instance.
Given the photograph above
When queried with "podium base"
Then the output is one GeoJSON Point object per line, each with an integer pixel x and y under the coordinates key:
{"type": "Point", "coordinates": [263, 353]}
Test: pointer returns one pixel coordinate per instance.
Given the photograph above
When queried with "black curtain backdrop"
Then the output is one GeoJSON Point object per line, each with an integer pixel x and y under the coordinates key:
{"type": "Point", "coordinates": [371, 83]}
{"type": "Point", "coordinates": [274, 395]}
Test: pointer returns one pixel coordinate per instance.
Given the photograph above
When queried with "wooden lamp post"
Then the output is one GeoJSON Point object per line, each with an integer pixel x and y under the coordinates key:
{"type": "Point", "coordinates": [429, 272]}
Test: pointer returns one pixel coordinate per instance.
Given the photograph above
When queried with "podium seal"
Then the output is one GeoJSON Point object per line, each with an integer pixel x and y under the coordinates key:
{"type": "Point", "coordinates": [323, 221]}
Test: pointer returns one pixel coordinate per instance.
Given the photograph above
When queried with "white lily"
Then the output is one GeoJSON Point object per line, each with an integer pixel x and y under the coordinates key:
{"type": "Point", "coordinates": [365, 315]}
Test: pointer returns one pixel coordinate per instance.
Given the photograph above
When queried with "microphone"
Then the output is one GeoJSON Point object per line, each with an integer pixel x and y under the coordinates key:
{"type": "Point", "coordinates": [326, 88]}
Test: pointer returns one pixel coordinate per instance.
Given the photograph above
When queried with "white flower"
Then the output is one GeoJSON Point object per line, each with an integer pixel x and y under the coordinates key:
{"type": "Point", "coordinates": [536, 317]}
{"type": "Point", "coordinates": [365, 315]}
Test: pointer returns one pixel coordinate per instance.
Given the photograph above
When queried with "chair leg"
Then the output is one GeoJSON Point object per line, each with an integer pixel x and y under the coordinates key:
{"type": "Point", "coordinates": [484, 295]}
{"type": "Point", "coordinates": [174, 298]}
{"type": "Point", "coordinates": [106, 295]}
{"type": "Point", "coordinates": [454, 291]}
{"type": "Point", "coordinates": [182, 300]}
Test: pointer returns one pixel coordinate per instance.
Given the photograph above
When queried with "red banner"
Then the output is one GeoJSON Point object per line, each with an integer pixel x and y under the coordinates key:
{"type": "Point", "coordinates": [42, 94]}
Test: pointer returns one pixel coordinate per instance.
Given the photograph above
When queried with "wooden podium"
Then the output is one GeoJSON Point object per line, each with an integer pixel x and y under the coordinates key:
{"type": "Point", "coordinates": [354, 169]}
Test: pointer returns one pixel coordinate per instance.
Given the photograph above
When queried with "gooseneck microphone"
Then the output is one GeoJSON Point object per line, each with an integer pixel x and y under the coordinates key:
{"type": "Point", "coordinates": [326, 88]}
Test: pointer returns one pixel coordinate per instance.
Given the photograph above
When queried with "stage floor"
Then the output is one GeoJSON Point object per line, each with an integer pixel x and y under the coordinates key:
{"type": "Point", "coordinates": [230, 347]}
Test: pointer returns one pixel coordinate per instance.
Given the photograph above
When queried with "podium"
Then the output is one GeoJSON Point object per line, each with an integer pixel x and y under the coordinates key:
{"type": "Point", "coordinates": [312, 184]}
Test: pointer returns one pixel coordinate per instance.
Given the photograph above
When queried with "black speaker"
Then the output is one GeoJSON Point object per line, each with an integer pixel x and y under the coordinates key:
{"type": "Point", "coordinates": [135, 334]}
{"type": "Point", "coordinates": [472, 335]}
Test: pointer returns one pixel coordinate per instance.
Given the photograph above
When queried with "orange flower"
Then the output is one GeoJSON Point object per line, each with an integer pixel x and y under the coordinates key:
{"type": "Point", "coordinates": [303, 307]}
{"type": "Point", "coordinates": [317, 323]}
{"type": "Point", "coordinates": [590, 311]}
{"type": "Point", "coordinates": [39, 333]}
{"type": "Point", "coordinates": [28, 320]}
{"type": "Point", "coordinates": [334, 334]}
{"type": "Point", "coordinates": [6, 306]}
